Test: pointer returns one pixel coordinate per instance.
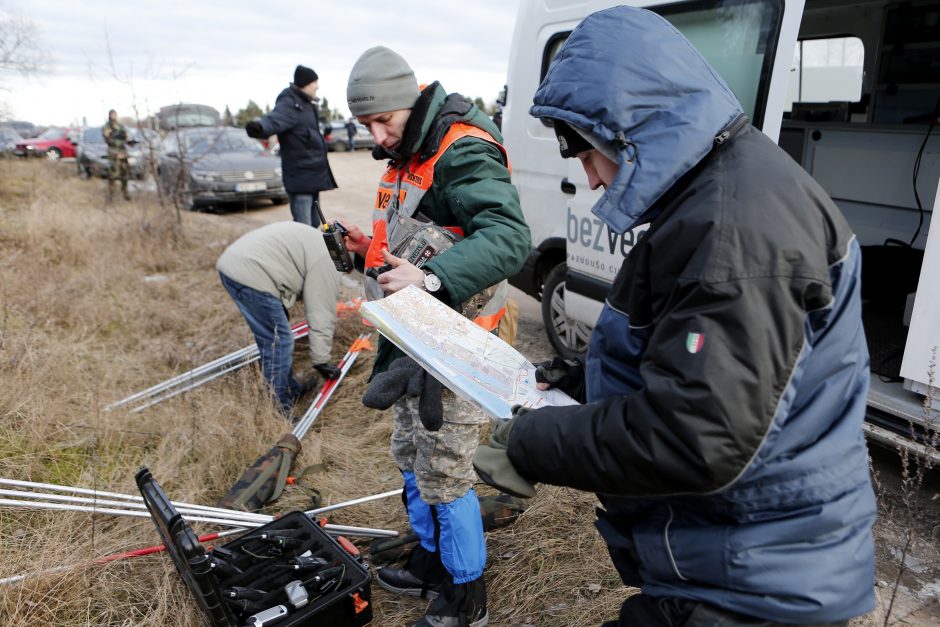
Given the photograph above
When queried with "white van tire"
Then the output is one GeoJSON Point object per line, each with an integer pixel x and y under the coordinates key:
{"type": "Point", "coordinates": [568, 337]}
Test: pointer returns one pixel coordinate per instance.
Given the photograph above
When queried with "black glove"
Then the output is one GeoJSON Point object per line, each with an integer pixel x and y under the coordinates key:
{"type": "Point", "coordinates": [254, 129]}
{"type": "Point", "coordinates": [566, 375]}
{"type": "Point", "coordinates": [327, 371]}
{"type": "Point", "coordinates": [405, 376]}
{"type": "Point", "coordinates": [492, 464]}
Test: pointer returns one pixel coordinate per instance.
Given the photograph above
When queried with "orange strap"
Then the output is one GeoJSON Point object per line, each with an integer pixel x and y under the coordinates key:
{"type": "Point", "coordinates": [491, 321]}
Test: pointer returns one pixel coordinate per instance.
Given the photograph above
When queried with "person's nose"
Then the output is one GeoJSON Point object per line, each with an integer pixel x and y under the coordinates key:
{"type": "Point", "coordinates": [378, 134]}
{"type": "Point", "coordinates": [594, 181]}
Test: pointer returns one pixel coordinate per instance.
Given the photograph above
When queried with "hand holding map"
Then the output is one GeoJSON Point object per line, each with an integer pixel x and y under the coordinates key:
{"type": "Point", "coordinates": [476, 364]}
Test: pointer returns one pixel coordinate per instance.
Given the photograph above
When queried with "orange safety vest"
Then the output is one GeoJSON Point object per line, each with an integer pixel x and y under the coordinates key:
{"type": "Point", "coordinates": [400, 192]}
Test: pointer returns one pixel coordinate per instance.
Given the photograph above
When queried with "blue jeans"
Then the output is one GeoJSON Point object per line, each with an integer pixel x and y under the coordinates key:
{"type": "Point", "coordinates": [267, 319]}
{"type": "Point", "coordinates": [301, 208]}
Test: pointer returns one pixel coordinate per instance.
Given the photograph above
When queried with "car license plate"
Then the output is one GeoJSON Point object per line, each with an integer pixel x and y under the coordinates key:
{"type": "Point", "coordinates": [251, 187]}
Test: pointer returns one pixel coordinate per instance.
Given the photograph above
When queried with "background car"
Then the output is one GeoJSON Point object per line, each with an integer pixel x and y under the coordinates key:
{"type": "Point", "coordinates": [213, 166]}
{"type": "Point", "coordinates": [54, 143]}
{"type": "Point", "coordinates": [184, 115]}
{"type": "Point", "coordinates": [337, 139]}
{"type": "Point", "coordinates": [92, 154]}
{"type": "Point", "coordinates": [8, 140]}
{"type": "Point", "coordinates": [23, 128]}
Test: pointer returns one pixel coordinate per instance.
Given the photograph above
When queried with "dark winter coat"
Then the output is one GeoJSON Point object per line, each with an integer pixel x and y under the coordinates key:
{"type": "Point", "coordinates": [727, 375]}
{"type": "Point", "coordinates": [295, 121]}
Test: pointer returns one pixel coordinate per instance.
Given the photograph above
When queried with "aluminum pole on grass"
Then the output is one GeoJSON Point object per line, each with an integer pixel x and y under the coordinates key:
{"type": "Point", "coordinates": [248, 353]}
{"type": "Point", "coordinates": [131, 498]}
{"type": "Point", "coordinates": [98, 494]}
{"type": "Point", "coordinates": [176, 391]}
{"type": "Point", "coordinates": [82, 500]}
{"type": "Point", "coordinates": [363, 532]}
{"type": "Point", "coordinates": [304, 424]}
{"type": "Point", "coordinates": [209, 537]}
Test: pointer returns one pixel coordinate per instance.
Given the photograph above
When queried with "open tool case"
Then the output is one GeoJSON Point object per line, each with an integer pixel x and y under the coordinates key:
{"type": "Point", "coordinates": [287, 573]}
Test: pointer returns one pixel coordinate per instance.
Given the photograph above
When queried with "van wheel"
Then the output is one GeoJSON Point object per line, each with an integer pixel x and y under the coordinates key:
{"type": "Point", "coordinates": [568, 337]}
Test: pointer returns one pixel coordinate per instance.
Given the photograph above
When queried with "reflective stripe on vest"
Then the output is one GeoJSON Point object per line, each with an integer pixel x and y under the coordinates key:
{"type": "Point", "coordinates": [399, 194]}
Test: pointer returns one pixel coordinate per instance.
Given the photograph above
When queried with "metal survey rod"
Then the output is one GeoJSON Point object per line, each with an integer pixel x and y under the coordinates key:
{"type": "Point", "coordinates": [364, 499]}
{"type": "Point", "coordinates": [327, 390]}
{"type": "Point", "coordinates": [364, 532]}
{"type": "Point", "coordinates": [66, 507]}
{"type": "Point", "coordinates": [82, 500]}
{"type": "Point", "coordinates": [118, 495]}
{"type": "Point", "coordinates": [170, 393]}
{"type": "Point", "coordinates": [180, 504]}
{"type": "Point", "coordinates": [299, 330]}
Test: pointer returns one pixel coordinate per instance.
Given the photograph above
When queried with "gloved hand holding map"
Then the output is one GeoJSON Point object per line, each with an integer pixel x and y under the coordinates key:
{"type": "Point", "coordinates": [475, 364]}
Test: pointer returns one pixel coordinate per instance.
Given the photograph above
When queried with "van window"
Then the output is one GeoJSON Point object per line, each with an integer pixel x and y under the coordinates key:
{"type": "Point", "coordinates": [738, 38]}
{"type": "Point", "coordinates": [826, 70]}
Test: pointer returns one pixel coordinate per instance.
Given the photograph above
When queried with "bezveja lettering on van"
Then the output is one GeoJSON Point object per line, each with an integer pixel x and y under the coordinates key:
{"type": "Point", "coordinates": [589, 232]}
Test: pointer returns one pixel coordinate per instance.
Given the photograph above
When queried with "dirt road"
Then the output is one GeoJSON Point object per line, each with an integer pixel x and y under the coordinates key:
{"type": "Point", "coordinates": [918, 598]}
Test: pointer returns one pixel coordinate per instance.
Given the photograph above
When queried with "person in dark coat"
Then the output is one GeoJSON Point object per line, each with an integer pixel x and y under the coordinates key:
{"type": "Point", "coordinates": [351, 133]}
{"type": "Point", "coordinates": [726, 379]}
{"type": "Point", "coordinates": [295, 121]}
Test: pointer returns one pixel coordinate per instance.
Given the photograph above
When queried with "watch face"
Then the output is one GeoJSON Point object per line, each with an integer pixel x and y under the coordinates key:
{"type": "Point", "coordinates": [432, 282]}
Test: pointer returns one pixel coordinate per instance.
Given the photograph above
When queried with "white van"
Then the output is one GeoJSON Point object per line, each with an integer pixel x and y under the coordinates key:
{"type": "Point", "coordinates": [849, 88]}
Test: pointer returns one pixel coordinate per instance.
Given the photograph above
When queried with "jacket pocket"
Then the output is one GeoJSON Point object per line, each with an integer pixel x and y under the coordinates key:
{"type": "Point", "coordinates": [659, 562]}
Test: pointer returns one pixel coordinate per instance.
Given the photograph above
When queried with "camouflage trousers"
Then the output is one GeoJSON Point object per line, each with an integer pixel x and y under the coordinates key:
{"type": "Point", "coordinates": [117, 170]}
{"type": "Point", "coordinates": [440, 460]}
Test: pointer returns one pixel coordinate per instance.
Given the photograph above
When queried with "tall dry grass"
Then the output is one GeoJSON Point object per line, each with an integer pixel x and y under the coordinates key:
{"type": "Point", "coordinates": [98, 301]}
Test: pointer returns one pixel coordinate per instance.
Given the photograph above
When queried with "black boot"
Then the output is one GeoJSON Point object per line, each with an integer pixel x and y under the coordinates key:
{"type": "Point", "coordinates": [421, 576]}
{"type": "Point", "coordinates": [458, 605]}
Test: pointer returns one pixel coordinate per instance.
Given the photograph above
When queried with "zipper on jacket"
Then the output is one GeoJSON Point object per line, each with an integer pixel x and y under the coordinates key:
{"type": "Point", "coordinates": [731, 129]}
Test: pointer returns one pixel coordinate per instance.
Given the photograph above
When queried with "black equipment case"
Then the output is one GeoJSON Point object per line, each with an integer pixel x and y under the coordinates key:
{"type": "Point", "coordinates": [287, 573]}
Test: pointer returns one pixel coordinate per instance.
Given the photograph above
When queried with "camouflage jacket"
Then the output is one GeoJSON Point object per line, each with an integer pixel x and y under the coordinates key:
{"type": "Point", "coordinates": [115, 136]}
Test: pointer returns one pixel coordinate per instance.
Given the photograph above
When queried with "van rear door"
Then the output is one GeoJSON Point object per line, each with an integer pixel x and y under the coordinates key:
{"type": "Point", "coordinates": [750, 43]}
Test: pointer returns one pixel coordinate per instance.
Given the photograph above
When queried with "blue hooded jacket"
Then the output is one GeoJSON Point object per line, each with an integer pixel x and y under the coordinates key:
{"type": "Point", "coordinates": [727, 375]}
{"type": "Point", "coordinates": [660, 105]}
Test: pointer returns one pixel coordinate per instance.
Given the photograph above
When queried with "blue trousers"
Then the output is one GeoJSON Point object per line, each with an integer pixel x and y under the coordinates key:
{"type": "Point", "coordinates": [267, 319]}
{"type": "Point", "coordinates": [301, 208]}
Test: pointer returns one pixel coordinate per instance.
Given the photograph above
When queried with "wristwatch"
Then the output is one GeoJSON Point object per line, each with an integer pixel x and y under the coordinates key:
{"type": "Point", "coordinates": [432, 282]}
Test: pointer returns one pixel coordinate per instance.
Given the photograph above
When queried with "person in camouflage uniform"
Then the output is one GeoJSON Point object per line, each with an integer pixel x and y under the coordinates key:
{"type": "Point", "coordinates": [115, 136]}
{"type": "Point", "coordinates": [447, 168]}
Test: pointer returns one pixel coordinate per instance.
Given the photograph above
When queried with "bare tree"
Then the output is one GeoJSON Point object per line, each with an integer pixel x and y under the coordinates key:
{"type": "Point", "coordinates": [21, 51]}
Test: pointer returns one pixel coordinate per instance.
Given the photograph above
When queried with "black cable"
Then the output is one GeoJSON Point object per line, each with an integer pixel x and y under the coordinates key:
{"type": "Point", "coordinates": [920, 154]}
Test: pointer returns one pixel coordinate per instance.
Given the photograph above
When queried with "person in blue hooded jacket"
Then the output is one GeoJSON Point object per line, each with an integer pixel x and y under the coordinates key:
{"type": "Point", "coordinates": [727, 376]}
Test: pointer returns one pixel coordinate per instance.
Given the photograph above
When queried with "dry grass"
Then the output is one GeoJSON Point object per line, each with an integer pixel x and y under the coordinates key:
{"type": "Point", "coordinates": [81, 325]}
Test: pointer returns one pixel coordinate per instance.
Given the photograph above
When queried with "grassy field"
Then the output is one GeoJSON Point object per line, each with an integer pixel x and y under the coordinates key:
{"type": "Point", "coordinates": [98, 301]}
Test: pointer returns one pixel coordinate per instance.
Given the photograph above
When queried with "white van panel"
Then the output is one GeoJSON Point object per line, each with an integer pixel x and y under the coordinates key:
{"type": "Point", "coordinates": [923, 338]}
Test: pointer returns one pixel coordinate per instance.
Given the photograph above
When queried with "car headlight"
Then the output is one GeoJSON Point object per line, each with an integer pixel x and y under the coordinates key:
{"type": "Point", "coordinates": [277, 171]}
{"type": "Point", "coordinates": [30, 147]}
{"type": "Point", "coordinates": [204, 176]}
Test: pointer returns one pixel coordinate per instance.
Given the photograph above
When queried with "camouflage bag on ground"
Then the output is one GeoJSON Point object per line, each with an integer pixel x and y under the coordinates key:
{"type": "Point", "coordinates": [265, 479]}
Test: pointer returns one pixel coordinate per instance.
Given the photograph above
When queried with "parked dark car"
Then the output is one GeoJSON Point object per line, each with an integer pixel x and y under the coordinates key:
{"type": "Point", "coordinates": [8, 140]}
{"type": "Point", "coordinates": [53, 144]}
{"type": "Point", "coordinates": [25, 129]}
{"type": "Point", "coordinates": [213, 166]}
{"type": "Point", "coordinates": [92, 154]}
{"type": "Point", "coordinates": [337, 139]}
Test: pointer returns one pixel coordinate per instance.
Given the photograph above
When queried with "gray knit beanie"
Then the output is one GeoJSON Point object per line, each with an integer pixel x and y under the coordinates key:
{"type": "Point", "coordinates": [381, 81]}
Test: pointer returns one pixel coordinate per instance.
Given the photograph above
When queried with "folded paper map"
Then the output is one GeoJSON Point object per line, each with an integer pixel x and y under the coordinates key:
{"type": "Point", "coordinates": [474, 363]}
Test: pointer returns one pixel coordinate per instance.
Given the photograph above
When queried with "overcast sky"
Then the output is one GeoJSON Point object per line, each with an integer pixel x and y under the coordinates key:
{"type": "Point", "coordinates": [226, 52]}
